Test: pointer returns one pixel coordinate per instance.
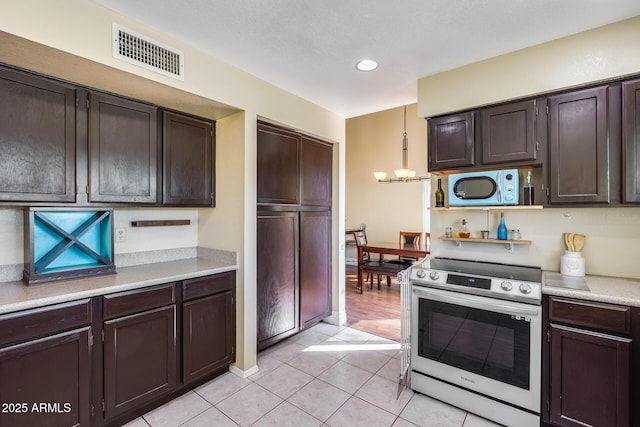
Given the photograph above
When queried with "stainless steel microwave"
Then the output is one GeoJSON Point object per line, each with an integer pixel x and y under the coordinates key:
{"type": "Point", "coordinates": [487, 188]}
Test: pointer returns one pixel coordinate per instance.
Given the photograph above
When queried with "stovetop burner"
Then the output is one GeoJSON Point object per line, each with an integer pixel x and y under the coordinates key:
{"type": "Point", "coordinates": [502, 281]}
{"type": "Point", "coordinates": [489, 269]}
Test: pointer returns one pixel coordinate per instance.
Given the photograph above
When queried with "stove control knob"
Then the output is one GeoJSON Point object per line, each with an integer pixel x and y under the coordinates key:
{"type": "Point", "coordinates": [421, 274]}
{"type": "Point", "coordinates": [506, 286]}
{"type": "Point", "coordinates": [434, 275]}
{"type": "Point", "coordinates": [525, 288]}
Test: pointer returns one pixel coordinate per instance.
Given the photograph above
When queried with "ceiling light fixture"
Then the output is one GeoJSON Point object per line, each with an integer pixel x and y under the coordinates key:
{"type": "Point", "coordinates": [403, 174]}
{"type": "Point", "coordinates": [367, 65]}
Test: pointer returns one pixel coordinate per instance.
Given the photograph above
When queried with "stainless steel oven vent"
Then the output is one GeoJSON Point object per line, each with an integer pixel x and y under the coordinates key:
{"type": "Point", "coordinates": [135, 48]}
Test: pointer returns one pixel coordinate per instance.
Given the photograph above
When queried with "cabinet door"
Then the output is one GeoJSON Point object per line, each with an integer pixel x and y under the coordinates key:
{"type": "Point", "coordinates": [278, 297]}
{"type": "Point", "coordinates": [578, 147]}
{"type": "Point", "coordinates": [139, 359]}
{"type": "Point", "coordinates": [315, 267]}
{"type": "Point", "coordinates": [631, 141]}
{"type": "Point", "coordinates": [508, 133]}
{"type": "Point", "coordinates": [46, 382]}
{"type": "Point", "coordinates": [123, 150]}
{"type": "Point", "coordinates": [37, 136]}
{"type": "Point", "coordinates": [589, 378]}
{"type": "Point", "coordinates": [278, 166]}
{"type": "Point", "coordinates": [187, 158]}
{"type": "Point", "coordinates": [208, 335]}
{"type": "Point", "coordinates": [451, 141]}
{"type": "Point", "coordinates": [316, 159]}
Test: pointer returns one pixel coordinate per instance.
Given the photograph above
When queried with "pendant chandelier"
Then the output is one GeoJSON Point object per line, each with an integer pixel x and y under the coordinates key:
{"type": "Point", "coordinates": [404, 174]}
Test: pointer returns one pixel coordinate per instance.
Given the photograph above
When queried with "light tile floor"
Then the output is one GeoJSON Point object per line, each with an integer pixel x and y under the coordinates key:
{"type": "Point", "coordinates": [325, 376]}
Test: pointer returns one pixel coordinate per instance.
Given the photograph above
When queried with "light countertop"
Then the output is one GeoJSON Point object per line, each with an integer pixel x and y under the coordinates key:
{"type": "Point", "coordinates": [15, 296]}
{"type": "Point", "coordinates": [613, 290]}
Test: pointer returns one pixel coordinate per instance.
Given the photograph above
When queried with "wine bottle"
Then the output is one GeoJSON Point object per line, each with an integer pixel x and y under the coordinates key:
{"type": "Point", "coordinates": [502, 228]}
{"type": "Point", "coordinates": [439, 195]}
{"type": "Point", "coordinates": [529, 191]}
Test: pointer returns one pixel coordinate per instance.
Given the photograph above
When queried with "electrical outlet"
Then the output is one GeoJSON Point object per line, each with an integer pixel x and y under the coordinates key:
{"type": "Point", "coordinates": [120, 235]}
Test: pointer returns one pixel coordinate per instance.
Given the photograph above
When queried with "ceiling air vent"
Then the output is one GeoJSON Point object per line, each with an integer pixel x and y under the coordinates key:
{"type": "Point", "coordinates": [141, 50]}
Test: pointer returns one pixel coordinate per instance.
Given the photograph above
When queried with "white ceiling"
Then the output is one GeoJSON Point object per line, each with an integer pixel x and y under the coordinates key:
{"type": "Point", "coordinates": [310, 47]}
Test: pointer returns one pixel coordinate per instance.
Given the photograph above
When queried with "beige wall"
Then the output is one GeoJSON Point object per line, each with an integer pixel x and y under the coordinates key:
{"type": "Point", "coordinates": [375, 144]}
{"type": "Point", "coordinates": [72, 40]}
{"type": "Point", "coordinates": [603, 53]}
{"type": "Point", "coordinates": [595, 55]}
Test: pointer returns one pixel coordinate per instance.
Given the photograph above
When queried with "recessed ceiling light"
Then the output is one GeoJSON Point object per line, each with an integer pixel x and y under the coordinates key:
{"type": "Point", "coordinates": [367, 65]}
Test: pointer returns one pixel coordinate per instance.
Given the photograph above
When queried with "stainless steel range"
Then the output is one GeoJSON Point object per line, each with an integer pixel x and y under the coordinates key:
{"type": "Point", "coordinates": [476, 337]}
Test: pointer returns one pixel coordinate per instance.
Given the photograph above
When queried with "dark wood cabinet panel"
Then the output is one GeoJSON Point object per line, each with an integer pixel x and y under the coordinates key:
{"type": "Point", "coordinates": [37, 136]}
{"type": "Point", "coordinates": [589, 382]}
{"type": "Point", "coordinates": [278, 290]}
{"type": "Point", "coordinates": [139, 359]}
{"type": "Point", "coordinates": [315, 267]}
{"type": "Point", "coordinates": [508, 133]}
{"type": "Point", "coordinates": [208, 335]}
{"type": "Point", "coordinates": [53, 371]}
{"type": "Point", "coordinates": [578, 147]}
{"type": "Point", "coordinates": [278, 165]}
{"type": "Point", "coordinates": [451, 142]}
{"type": "Point", "coordinates": [316, 159]}
{"type": "Point", "coordinates": [631, 141]}
{"type": "Point", "coordinates": [123, 150]}
{"type": "Point", "coordinates": [188, 152]}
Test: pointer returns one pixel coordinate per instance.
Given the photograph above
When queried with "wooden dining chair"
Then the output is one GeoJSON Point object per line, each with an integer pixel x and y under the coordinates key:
{"type": "Point", "coordinates": [407, 238]}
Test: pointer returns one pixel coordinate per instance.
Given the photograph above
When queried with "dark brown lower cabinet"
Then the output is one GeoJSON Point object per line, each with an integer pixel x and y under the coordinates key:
{"type": "Point", "coordinates": [139, 359]}
{"type": "Point", "coordinates": [590, 385]}
{"type": "Point", "coordinates": [315, 267]}
{"type": "Point", "coordinates": [55, 370]}
{"type": "Point", "coordinates": [45, 366]}
{"type": "Point", "coordinates": [46, 382]}
{"type": "Point", "coordinates": [588, 373]}
{"type": "Point", "coordinates": [208, 326]}
{"type": "Point", "coordinates": [278, 289]}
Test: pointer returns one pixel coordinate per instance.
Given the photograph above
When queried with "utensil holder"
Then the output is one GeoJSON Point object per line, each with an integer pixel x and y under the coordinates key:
{"type": "Point", "coordinates": [572, 264]}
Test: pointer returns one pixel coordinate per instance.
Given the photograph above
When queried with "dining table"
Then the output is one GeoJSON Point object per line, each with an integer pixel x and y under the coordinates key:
{"type": "Point", "coordinates": [389, 248]}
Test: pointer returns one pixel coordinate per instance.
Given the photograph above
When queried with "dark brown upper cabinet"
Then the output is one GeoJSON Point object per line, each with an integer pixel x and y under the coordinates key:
{"type": "Point", "coordinates": [123, 150]}
{"type": "Point", "coordinates": [37, 136]}
{"type": "Point", "coordinates": [188, 159]}
{"type": "Point", "coordinates": [278, 165]}
{"type": "Point", "coordinates": [508, 133]}
{"type": "Point", "coordinates": [316, 159]}
{"type": "Point", "coordinates": [451, 142]}
{"type": "Point", "coordinates": [631, 141]}
{"type": "Point", "coordinates": [578, 147]}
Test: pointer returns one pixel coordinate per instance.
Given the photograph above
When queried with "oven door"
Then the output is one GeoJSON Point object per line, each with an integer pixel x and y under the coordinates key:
{"type": "Point", "coordinates": [481, 344]}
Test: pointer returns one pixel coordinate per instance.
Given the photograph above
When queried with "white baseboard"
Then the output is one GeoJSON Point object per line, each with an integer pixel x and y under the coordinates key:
{"type": "Point", "coordinates": [243, 374]}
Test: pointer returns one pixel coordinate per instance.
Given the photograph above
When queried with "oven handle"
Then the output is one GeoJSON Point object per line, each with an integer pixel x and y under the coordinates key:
{"type": "Point", "coordinates": [474, 303]}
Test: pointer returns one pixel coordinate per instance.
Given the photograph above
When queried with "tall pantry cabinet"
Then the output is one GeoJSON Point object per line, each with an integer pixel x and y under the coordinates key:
{"type": "Point", "coordinates": [293, 233]}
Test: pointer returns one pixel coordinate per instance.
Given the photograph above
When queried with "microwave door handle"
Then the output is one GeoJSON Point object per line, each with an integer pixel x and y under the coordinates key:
{"type": "Point", "coordinates": [467, 302]}
{"type": "Point", "coordinates": [499, 187]}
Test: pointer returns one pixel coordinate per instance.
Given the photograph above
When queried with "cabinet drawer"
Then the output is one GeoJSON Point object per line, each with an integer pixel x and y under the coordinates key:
{"type": "Point", "coordinates": [606, 317]}
{"type": "Point", "coordinates": [208, 285]}
{"type": "Point", "coordinates": [138, 300]}
{"type": "Point", "coordinates": [29, 324]}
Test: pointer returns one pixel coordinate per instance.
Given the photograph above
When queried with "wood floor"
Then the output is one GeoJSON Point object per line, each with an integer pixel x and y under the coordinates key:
{"type": "Point", "coordinates": [374, 311]}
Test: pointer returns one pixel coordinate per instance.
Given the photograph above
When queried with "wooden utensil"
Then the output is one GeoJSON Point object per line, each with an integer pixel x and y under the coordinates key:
{"type": "Point", "coordinates": [567, 241]}
{"type": "Point", "coordinates": [572, 247]}
{"type": "Point", "coordinates": [578, 241]}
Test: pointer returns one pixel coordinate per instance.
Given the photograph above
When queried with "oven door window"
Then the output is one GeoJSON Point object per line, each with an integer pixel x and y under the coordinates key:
{"type": "Point", "coordinates": [490, 344]}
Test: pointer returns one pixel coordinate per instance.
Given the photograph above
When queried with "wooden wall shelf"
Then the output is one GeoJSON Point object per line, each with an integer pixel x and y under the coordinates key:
{"type": "Point", "coordinates": [160, 223]}
{"type": "Point", "coordinates": [509, 244]}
